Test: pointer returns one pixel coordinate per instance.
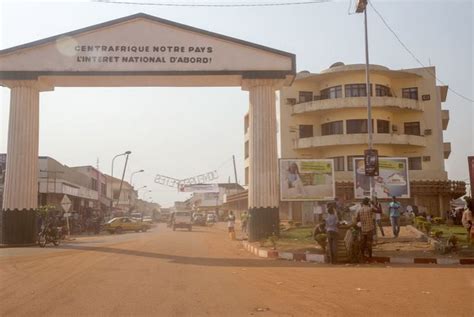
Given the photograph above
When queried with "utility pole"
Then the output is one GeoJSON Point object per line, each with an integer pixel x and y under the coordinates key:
{"type": "Point", "coordinates": [121, 182]}
{"type": "Point", "coordinates": [235, 170]}
{"type": "Point", "coordinates": [362, 7]}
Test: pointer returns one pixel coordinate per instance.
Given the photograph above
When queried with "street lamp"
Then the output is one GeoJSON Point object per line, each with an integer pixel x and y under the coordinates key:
{"type": "Point", "coordinates": [131, 176]}
{"type": "Point", "coordinates": [141, 188]}
{"type": "Point", "coordinates": [362, 7]}
{"type": "Point", "coordinates": [112, 174]}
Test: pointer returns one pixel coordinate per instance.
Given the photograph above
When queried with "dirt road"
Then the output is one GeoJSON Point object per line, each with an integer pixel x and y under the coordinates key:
{"type": "Point", "coordinates": [202, 273]}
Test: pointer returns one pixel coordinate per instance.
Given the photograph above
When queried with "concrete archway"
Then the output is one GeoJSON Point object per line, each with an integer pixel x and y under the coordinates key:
{"type": "Point", "coordinates": [139, 51]}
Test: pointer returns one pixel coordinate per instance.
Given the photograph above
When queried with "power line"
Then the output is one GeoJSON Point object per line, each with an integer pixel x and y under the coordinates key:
{"type": "Point", "coordinates": [414, 56]}
{"type": "Point", "coordinates": [217, 5]}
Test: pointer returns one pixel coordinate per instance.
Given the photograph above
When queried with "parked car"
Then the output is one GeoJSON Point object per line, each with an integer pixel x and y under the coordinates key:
{"type": "Point", "coordinates": [122, 224]}
{"type": "Point", "coordinates": [182, 219]}
{"type": "Point", "coordinates": [165, 217]}
{"type": "Point", "coordinates": [199, 219]}
{"type": "Point", "coordinates": [147, 219]}
{"type": "Point", "coordinates": [211, 218]}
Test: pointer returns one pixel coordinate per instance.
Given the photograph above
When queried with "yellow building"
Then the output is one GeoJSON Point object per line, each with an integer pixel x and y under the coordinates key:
{"type": "Point", "coordinates": [324, 116]}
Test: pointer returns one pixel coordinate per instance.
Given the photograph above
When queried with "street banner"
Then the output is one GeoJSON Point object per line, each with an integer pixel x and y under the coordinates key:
{"type": "Point", "coordinates": [392, 180]}
{"type": "Point", "coordinates": [307, 180]}
{"type": "Point", "coordinates": [470, 160]}
{"type": "Point", "coordinates": [198, 188]}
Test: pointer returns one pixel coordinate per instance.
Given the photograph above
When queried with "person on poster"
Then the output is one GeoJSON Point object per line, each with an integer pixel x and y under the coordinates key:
{"type": "Point", "coordinates": [294, 179]}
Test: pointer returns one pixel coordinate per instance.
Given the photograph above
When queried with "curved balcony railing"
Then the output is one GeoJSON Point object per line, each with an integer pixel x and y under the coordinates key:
{"type": "Point", "coordinates": [354, 139]}
{"type": "Point", "coordinates": [357, 102]}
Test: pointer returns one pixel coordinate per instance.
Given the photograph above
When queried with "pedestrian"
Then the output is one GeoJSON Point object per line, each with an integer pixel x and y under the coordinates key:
{"type": "Point", "coordinates": [317, 212]}
{"type": "Point", "coordinates": [467, 217]}
{"type": "Point", "coordinates": [394, 210]}
{"type": "Point", "coordinates": [365, 217]}
{"type": "Point", "coordinates": [331, 230]}
{"type": "Point", "coordinates": [231, 225]}
{"type": "Point", "coordinates": [377, 209]}
{"type": "Point", "coordinates": [244, 217]}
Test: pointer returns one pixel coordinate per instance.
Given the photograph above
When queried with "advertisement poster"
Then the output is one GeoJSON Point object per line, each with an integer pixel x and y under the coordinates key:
{"type": "Point", "coordinates": [306, 180]}
{"type": "Point", "coordinates": [392, 180]}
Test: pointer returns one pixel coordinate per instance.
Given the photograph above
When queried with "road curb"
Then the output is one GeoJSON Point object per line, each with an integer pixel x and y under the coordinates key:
{"type": "Point", "coordinates": [321, 258]}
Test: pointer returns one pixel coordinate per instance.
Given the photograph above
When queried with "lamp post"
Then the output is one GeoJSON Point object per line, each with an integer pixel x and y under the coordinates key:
{"type": "Point", "coordinates": [362, 7]}
{"type": "Point", "coordinates": [131, 176]}
{"type": "Point", "coordinates": [112, 175]}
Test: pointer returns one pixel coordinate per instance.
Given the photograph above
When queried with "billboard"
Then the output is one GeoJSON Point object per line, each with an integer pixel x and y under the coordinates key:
{"type": "Point", "coordinates": [392, 180]}
{"type": "Point", "coordinates": [307, 180]}
{"type": "Point", "coordinates": [198, 188]}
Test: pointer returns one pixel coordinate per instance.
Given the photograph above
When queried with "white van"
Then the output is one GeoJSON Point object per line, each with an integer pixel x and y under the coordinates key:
{"type": "Point", "coordinates": [182, 219]}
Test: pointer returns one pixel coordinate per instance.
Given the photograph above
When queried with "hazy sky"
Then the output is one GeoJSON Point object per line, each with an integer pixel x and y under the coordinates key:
{"type": "Point", "coordinates": [185, 132]}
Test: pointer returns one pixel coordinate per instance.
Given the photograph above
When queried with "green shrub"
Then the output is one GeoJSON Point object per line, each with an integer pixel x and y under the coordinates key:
{"type": "Point", "coordinates": [453, 241]}
{"type": "Point", "coordinates": [438, 220]}
{"type": "Point", "coordinates": [298, 224]}
{"type": "Point", "coordinates": [437, 233]}
{"type": "Point", "coordinates": [420, 225]}
{"type": "Point", "coordinates": [419, 219]}
{"type": "Point", "coordinates": [321, 239]}
{"type": "Point", "coordinates": [273, 240]}
{"type": "Point", "coordinates": [427, 227]}
{"type": "Point", "coordinates": [291, 222]}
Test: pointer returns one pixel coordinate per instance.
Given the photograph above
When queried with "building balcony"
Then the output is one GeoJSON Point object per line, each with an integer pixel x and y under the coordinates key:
{"type": "Point", "coordinates": [447, 149]}
{"type": "Point", "coordinates": [357, 102]}
{"type": "Point", "coordinates": [356, 139]}
{"type": "Point", "coordinates": [445, 118]}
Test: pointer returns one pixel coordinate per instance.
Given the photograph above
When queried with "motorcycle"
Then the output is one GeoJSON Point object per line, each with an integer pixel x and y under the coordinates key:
{"type": "Point", "coordinates": [49, 234]}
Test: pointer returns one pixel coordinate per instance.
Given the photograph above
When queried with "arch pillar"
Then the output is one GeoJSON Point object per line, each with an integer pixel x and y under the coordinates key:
{"type": "Point", "coordinates": [263, 192]}
{"type": "Point", "coordinates": [21, 177]}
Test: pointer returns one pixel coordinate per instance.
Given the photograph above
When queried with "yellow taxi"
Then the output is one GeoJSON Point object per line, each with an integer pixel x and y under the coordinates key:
{"type": "Point", "coordinates": [121, 224]}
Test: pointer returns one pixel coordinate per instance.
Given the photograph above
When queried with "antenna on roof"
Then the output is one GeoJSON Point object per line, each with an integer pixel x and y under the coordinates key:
{"type": "Point", "coordinates": [97, 164]}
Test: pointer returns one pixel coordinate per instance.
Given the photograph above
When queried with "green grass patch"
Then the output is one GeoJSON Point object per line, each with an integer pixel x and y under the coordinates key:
{"type": "Point", "coordinates": [459, 231]}
{"type": "Point", "coordinates": [296, 240]}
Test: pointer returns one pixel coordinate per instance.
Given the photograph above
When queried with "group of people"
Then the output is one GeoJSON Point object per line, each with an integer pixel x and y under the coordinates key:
{"type": "Point", "coordinates": [368, 218]}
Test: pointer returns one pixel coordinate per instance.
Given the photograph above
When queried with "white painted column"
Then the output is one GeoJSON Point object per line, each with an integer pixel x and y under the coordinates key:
{"type": "Point", "coordinates": [263, 193]}
{"type": "Point", "coordinates": [21, 179]}
{"type": "Point", "coordinates": [263, 168]}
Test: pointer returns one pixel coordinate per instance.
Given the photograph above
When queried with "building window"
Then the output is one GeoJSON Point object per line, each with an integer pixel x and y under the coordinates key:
{"type": "Point", "coordinates": [331, 92]}
{"type": "Point", "coordinates": [414, 163]}
{"type": "Point", "coordinates": [357, 126]}
{"type": "Point", "coordinates": [335, 127]}
{"type": "Point", "coordinates": [305, 96]}
{"type": "Point", "coordinates": [382, 91]}
{"type": "Point", "coordinates": [410, 93]}
{"type": "Point", "coordinates": [338, 163]}
{"type": "Point", "coordinates": [356, 90]}
{"type": "Point", "coordinates": [350, 163]}
{"type": "Point", "coordinates": [306, 131]}
{"type": "Point", "coordinates": [246, 176]}
{"type": "Point", "coordinates": [94, 184]}
{"type": "Point", "coordinates": [103, 189]}
{"type": "Point", "coordinates": [246, 124]}
{"type": "Point", "coordinates": [246, 149]}
{"type": "Point", "coordinates": [383, 126]}
{"type": "Point", "coordinates": [412, 128]}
